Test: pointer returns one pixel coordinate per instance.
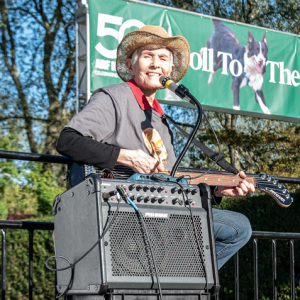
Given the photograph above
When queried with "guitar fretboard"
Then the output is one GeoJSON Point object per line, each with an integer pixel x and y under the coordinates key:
{"type": "Point", "coordinates": [194, 177]}
{"type": "Point", "coordinates": [212, 179]}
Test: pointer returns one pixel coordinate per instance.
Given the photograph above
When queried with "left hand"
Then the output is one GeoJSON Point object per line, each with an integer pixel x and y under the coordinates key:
{"type": "Point", "coordinates": [242, 189]}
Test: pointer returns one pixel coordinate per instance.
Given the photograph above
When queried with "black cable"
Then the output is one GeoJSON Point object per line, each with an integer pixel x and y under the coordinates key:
{"type": "Point", "coordinates": [151, 252]}
{"type": "Point", "coordinates": [126, 197]}
{"type": "Point", "coordinates": [72, 265]}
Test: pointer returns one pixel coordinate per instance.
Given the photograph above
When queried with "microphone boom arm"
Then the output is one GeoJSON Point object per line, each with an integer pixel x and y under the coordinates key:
{"type": "Point", "coordinates": [182, 92]}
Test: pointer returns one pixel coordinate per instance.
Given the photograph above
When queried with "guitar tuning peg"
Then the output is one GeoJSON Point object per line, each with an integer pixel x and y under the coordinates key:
{"type": "Point", "coordinates": [263, 176]}
{"type": "Point", "coordinates": [275, 181]}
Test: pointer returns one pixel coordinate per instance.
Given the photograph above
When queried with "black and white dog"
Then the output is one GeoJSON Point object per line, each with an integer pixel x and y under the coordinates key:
{"type": "Point", "coordinates": [253, 60]}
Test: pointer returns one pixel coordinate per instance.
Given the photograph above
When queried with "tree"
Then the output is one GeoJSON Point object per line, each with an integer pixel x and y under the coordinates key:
{"type": "Point", "coordinates": [37, 69]}
{"type": "Point", "coordinates": [279, 15]}
{"type": "Point", "coordinates": [37, 47]}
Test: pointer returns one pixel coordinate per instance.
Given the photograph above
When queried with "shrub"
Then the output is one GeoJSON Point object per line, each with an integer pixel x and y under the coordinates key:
{"type": "Point", "coordinates": [265, 215]}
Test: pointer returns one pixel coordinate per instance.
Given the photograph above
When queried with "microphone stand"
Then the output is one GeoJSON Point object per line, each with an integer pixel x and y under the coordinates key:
{"type": "Point", "coordinates": [183, 91]}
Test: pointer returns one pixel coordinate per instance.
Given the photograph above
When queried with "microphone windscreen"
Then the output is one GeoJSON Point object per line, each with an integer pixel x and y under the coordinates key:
{"type": "Point", "coordinates": [163, 80]}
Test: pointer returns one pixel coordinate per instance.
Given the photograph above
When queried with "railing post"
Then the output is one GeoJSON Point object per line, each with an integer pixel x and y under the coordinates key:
{"type": "Point", "coordinates": [274, 264]}
{"type": "Point", "coordinates": [255, 242]}
{"type": "Point", "coordinates": [237, 276]}
{"type": "Point", "coordinates": [3, 270]}
{"type": "Point", "coordinates": [30, 278]}
{"type": "Point", "coordinates": [292, 266]}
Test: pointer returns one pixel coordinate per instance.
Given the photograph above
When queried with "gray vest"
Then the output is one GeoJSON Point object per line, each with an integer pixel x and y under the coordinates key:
{"type": "Point", "coordinates": [113, 116]}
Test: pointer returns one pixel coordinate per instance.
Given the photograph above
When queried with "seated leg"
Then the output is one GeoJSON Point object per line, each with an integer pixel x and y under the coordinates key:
{"type": "Point", "coordinates": [232, 231]}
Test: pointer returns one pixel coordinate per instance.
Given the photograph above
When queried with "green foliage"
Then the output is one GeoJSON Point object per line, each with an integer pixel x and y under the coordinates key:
{"type": "Point", "coordinates": [279, 15]}
{"type": "Point", "coordinates": [264, 215]}
{"type": "Point", "coordinates": [44, 184]}
{"type": "Point", "coordinates": [18, 261]}
{"type": "Point", "coordinates": [25, 187]}
{"type": "Point", "coordinates": [14, 196]}
{"type": "Point", "coordinates": [31, 191]}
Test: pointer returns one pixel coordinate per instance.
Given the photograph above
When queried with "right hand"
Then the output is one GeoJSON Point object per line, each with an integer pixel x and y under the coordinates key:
{"type": "Point", "coordinates": [139, 161]}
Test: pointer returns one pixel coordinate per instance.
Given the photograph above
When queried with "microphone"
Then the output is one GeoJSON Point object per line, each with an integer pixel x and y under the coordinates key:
{"type": "Point", "coordinates": [178, 90]}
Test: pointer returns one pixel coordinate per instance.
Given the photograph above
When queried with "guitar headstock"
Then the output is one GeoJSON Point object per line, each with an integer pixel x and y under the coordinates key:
{"type": "Point", "coordinates": [275, 189]}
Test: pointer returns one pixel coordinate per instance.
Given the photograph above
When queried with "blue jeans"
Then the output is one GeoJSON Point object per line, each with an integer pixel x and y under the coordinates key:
{"type": "Point", "coordinates": [232, 231]}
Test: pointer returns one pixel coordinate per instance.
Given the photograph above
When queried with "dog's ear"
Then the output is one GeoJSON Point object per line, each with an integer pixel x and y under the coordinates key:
{"type": "Point", "coordinates": [250, 38]}
{"type": "Point", "coordinates": [264, 39]}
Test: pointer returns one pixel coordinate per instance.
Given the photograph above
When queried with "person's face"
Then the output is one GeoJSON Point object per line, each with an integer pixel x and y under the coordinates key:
{"type": "Point", "coordinates": [150, 65]}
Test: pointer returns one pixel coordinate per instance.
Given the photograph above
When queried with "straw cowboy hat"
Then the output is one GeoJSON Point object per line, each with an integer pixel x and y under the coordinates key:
{"type": "Point", "coordinates": [157, 35]}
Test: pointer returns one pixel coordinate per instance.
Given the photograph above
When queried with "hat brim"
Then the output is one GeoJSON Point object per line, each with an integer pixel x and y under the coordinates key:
{"type": "Point", "coordinates": [136, 39]}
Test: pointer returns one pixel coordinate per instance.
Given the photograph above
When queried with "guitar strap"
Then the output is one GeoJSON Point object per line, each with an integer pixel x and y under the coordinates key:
{"type": "Point", "coordinates": [218, 157]}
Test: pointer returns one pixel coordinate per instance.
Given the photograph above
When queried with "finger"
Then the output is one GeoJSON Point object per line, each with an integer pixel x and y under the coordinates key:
{"type": "Point", "coordinates": [242, 174]}
{"type": "Point", "coordinates": [250, 186]}
{"type": "Point", "coordinates": [240, 191]}
{"type": "Point", "coordinates": [244, 186]}
{"type": "Point", "coordinates": [159, 167]}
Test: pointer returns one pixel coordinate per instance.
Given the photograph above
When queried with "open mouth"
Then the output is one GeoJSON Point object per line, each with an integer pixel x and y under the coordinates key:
{"type": "Point", "coordinates": [153, 74]}
{"type": "Point", "coordinates": [259, 66]}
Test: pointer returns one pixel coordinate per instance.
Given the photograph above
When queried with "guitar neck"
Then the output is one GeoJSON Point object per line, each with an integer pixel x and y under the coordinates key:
{"type": "Point", "coordinates": [214, 180]}
{"type": "Point", "coordinates": [194, 177]}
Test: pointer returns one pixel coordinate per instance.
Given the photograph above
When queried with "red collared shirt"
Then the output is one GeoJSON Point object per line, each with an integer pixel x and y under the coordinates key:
{"type": "Point", "coordinates": [141, 99]}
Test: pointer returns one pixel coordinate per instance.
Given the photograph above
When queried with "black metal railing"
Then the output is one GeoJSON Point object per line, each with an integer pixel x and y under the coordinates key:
{"type": "Point", "coordinates": [32, 226]}
{"type": "Point", "coordinates": [273, 237]}
{"type": "Point", "coordinates": [256, 236]}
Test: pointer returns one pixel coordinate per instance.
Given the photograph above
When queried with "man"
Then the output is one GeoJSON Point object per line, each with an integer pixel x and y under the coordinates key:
{"type": "Point", "coordinates": [124, 124]}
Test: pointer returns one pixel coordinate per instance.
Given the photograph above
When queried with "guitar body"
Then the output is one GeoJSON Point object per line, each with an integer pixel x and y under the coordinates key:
{"type": "Point", "coordinates": [265, 183]}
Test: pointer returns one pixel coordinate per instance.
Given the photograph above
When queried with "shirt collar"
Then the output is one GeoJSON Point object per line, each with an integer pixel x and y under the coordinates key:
{"type": "Point", "coordinates": [141, 99]}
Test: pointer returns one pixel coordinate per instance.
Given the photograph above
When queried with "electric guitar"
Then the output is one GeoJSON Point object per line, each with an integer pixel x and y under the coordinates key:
{"type": "Point", "coordinates": [265, 183]}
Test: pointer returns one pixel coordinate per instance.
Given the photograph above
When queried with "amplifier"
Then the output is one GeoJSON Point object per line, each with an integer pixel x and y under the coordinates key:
{"type": "Point", "coordinates": [179, 234]}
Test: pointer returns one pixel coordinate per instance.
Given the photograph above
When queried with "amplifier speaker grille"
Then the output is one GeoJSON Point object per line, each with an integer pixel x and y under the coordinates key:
{"type": "Point", "coordinates": [173, 244]}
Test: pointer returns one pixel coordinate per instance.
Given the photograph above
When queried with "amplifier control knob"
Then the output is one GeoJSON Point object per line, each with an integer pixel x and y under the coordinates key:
{"type": "Point", "coordinates": [174, 190]}
{"type": "Point", "coordinates": [194, 191]}
{"type": "Point", "coordinates": [138, 187]}
{"type": "Point", "coordinates": [131, 187]}
{"type": "Point", "coordinates": [140, 198]}
{"type": "Point", "coordinates": [154, 199]}
{"type": "Point", "coordinates": [153, 188]}
{"type": "Point", "coordinates": [161, 200]}
{"type": "Point", "coordinates": [175, 200]}
{"type": "Point", "coordinates": [147, 199]}
{"type": "Point", "coordinates": [146, 188]}
{"type": "Point", "coordinates": [189, 201]}
{"type": "Point", "coordinates": [160, 189]}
